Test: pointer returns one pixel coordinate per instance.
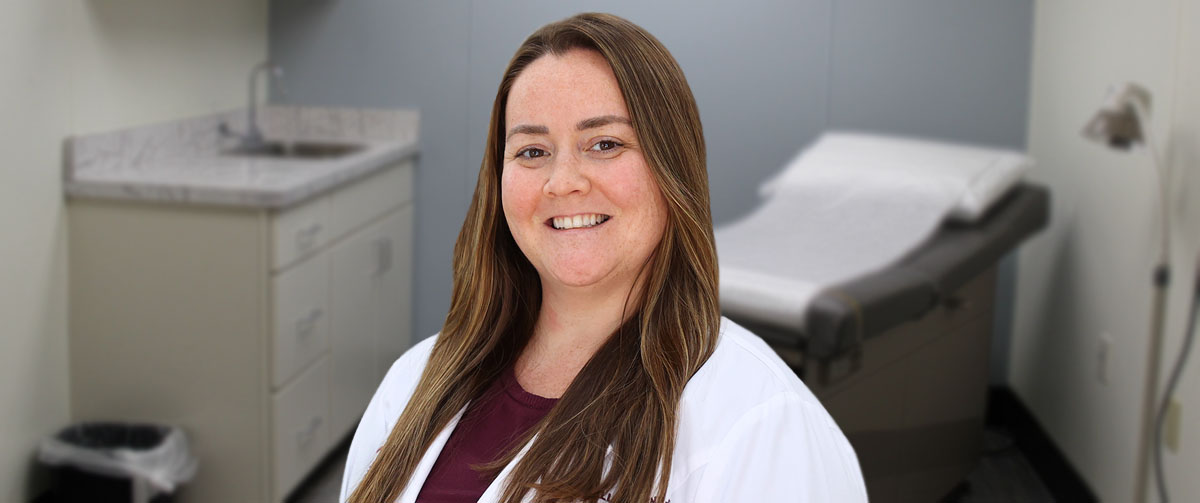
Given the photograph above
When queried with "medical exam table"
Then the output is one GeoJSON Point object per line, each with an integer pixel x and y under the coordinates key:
{"type": "Point", "coordinates": [899, 357]}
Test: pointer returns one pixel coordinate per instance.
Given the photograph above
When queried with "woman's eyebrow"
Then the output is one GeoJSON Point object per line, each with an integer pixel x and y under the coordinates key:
{"type": "Point", "coordinates": [526, 129]}
{"type": "Point", "coordinates": [593, 122]}
{"type": "Point", "coordinates": [602, 120]}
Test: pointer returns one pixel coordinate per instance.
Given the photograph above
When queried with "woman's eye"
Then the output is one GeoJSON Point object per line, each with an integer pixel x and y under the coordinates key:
{"type": "Point", "coordinates": [605, 146]}
{"type": "Point", "coordinates": [532, 153]}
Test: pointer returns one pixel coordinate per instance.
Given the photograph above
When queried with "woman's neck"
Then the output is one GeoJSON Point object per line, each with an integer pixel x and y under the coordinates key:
{"type": "Point", "coordinates": [571, 327]}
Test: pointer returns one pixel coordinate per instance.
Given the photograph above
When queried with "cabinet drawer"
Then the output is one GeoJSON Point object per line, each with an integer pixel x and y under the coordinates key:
{"type": "Point", "coordinates": [299, 231]}
{"type": "Point", "coordinates": [301, 426]}
{"type": "Point", "coordinates": [300, 328]}
{"type": "Point", "coordinates": [354, 205]}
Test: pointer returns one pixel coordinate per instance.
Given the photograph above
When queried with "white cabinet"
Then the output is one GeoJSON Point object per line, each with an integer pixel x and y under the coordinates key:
{"type": "Point", "coordinates": [262, 333]}
{"type": "Point", "coordinates": [365, 282]}
{"type": "Point", "coordinates": [394, 293]}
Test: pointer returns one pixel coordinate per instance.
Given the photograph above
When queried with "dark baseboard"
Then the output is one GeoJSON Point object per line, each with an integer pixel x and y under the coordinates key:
{"type": "Point", "coordinates": [1005, 409]}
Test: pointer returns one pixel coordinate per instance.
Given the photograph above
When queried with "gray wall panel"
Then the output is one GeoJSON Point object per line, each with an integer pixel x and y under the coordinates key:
{"type": "Point", "coordinates": [939, 68]}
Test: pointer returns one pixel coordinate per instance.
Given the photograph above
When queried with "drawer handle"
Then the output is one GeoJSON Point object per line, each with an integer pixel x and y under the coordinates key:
{"type": "Point", "coordinates": [383, 250]}
{"type": "Point", "coordinates": [305, 436]}
{"type": "Point", "coordinates": [305, 325]}
{"type": "Point", "coordinates": [307, 237]}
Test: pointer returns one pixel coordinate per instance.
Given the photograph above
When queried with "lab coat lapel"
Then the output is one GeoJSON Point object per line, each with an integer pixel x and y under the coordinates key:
{"type": "Point", "coordinates": [421, 472]}
{"type": "Point", "coordinates": [496, 489]}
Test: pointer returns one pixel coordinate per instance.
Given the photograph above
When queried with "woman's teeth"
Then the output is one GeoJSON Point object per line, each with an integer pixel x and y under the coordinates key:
{"type": "Point", "coordinates": [579, 221]}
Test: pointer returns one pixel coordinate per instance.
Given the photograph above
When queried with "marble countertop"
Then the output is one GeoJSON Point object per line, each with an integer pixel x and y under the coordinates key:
{"type": "Point", "coordinates": [183, 161]}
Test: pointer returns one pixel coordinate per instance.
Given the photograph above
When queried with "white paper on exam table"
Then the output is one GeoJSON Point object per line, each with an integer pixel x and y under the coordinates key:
{"type": "Point", "coordinates": [848, 206]}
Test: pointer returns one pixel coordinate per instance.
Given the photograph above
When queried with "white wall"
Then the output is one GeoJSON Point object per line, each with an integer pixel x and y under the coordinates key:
{"type": "Point", "coordinates": [1089, 273]}
{"type": "Point", "coordinates": [33, 340]}
{"type": "Point", "coordinates": [74, 67]}
{"type": "Point", "coordinates": [140, 61]}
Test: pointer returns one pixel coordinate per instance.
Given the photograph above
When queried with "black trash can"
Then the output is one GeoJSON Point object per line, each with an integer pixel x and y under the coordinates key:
{"type": "Point", "coordinates": [117, 462]}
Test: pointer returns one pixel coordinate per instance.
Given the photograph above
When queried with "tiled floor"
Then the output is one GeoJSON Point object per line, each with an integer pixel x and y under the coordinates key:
{"type": "Point", "coordinates": [1003, 476]}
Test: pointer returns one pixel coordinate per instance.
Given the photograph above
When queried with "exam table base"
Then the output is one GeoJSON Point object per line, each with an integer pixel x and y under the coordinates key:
{"type": "Point", "coordinates": [912, 401]}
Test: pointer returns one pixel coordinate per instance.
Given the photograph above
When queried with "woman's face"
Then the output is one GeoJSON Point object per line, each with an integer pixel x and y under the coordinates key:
{"type": "Point", "coordinates": [577, 193]}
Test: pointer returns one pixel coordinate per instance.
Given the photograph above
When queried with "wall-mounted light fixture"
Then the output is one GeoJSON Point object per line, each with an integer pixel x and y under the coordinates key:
{"type": "Point", "coordinates": [1122, 119]}
{"type": "Point", "coordinates": [1122, 122]}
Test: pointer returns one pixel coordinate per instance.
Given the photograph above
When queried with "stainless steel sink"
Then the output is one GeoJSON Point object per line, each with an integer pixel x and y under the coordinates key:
{"type": "Point", "coordinates": [297, 150]}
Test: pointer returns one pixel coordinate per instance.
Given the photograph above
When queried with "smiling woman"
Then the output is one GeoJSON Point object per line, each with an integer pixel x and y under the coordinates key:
{"type": "Point", "coordinates": [584, 357]}
{"type": "Point", "coordinates": [578, 196]}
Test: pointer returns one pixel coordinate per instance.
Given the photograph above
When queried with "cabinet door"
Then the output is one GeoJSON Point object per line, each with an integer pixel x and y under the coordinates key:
{"type": "Point", "coordinates": [356, 268]}
{"type": "Point", "coordinates": [371, 312]}
{"type": "Point", "coordinates": [394, 296]}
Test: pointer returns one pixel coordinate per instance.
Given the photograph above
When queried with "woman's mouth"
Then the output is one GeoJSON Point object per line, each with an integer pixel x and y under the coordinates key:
{"type": "Point", "coordinates": [581, 221]}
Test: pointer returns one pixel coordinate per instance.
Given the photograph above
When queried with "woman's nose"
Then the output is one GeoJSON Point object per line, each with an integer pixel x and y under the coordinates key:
{"type": "Point", "coordinates": [566, 177]}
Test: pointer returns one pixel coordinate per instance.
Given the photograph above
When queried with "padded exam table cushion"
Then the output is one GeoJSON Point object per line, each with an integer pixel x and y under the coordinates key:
{"type": "Point", "coordinates": [841, 317]}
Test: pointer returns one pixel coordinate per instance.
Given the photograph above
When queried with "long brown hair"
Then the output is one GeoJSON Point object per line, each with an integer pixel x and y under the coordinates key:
{"type": "Point", "coordinates": [627, 396]}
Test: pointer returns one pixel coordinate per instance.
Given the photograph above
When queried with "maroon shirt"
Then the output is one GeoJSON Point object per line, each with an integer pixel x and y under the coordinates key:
{"type": "Point", "coordinates": [487, 429]}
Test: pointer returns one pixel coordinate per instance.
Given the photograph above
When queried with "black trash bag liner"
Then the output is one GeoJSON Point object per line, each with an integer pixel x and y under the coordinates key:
{"type": "Point", "coordinates": [154, 459]}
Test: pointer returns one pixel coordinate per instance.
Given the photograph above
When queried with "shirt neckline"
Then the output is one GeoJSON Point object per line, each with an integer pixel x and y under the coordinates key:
{"type": "Point", "coordinates": [508, 381]}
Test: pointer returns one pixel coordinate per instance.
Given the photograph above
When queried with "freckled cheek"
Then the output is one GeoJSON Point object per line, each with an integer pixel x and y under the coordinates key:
{"type": "Point", "coordinates": [519, 195]}
{"type": "Point", "coordinates": [636, 189]}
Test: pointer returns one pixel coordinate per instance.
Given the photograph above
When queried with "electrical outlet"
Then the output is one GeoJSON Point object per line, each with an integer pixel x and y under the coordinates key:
{"type": "Point", "coordinates": [1103, 355]}
{"type": "Point", "coordinates": [1173, 422]}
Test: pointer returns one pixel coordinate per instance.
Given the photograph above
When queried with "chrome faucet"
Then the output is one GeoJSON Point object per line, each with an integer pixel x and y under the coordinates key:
{"type": "Point", "coordinates": [253, 137]}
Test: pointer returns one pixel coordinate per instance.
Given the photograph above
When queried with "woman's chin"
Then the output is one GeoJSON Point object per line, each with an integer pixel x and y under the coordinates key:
{"type": "Point", "coordinates": [576, 281]}
{"type": "Point", "coordinates": [577, 278]}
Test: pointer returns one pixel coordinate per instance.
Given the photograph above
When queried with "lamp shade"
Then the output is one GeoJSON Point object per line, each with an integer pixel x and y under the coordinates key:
{"type": "Point", "coordinates": [1118, 122]}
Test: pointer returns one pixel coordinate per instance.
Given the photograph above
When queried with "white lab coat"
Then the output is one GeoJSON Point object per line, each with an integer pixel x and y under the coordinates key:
{"type": "Point", "coordinates": [749, 430]}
